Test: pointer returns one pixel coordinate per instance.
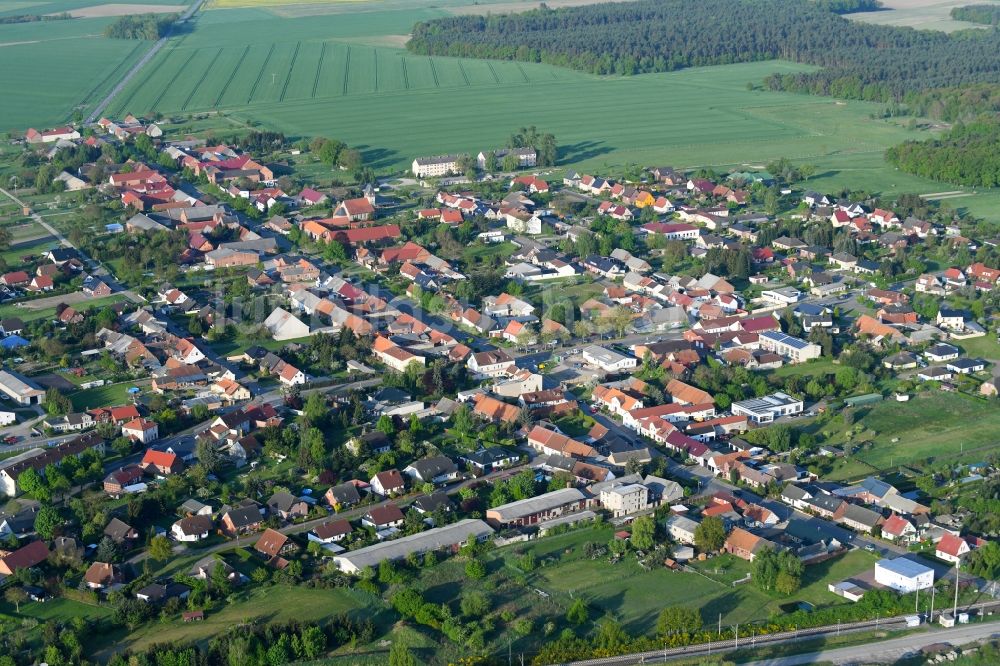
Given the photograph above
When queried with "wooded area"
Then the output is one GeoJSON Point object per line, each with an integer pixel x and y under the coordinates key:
{"type": "Point", "coordinates": [985, 14]}
{"type": "Point", "coordinates": [969, 154]}
{"type": "Point", "coordinates": [859, 61]}
{"type": "Point", "coordinates": [140, 26]}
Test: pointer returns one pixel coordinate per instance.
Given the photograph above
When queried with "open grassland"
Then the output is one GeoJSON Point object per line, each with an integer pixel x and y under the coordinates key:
{"type": "Point", "coordinates": [278, 603]}
{"type": "Point", "coordinates": [635, 596]}
{"type": "Point", "coordinates": [935, 426]}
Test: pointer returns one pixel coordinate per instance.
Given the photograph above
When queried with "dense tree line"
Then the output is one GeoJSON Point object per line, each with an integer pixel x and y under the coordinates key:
{"type": "Point", "coordinates": [985, 14]}
{"type": "Point", "coordinates": [849, 6]}
{"type": "Point", "coordinates": [140, 26]}
{"type": "Point", "coordinates": [856, 60]}
{"type": "Point", "coordinates": [34, 18]}
{"type": "Point", "coordinates": [968, 154]}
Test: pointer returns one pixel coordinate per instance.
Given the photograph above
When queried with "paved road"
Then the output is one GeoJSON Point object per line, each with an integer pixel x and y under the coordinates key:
{"type": "Point", "coordinates": [103, 104]}
{"type": "Point", "coordinates": [890, 650]}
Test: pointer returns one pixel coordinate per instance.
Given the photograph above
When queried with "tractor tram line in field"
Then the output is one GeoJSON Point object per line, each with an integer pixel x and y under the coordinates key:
{"type": "Point", "coordinates": [260, 75]}
{"type": "Point", "coordinates": [291, 68]}
{"type": "Point", "coordinates": [319, 70]}
{"type": "Point", "coordinates": [232, 76]}
{"type": "Point", "coordinates": [197, 86]}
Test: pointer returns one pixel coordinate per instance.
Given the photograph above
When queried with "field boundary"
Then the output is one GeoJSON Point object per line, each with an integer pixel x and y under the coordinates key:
{"type": "Point", "coordinates": [347, 68]}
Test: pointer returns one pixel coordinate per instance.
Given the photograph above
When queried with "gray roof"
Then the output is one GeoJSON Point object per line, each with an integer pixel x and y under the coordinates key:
{"type": "Point", "coordinates": [532, 505]}
{"type": "Point", "coordinates": [433, 539]}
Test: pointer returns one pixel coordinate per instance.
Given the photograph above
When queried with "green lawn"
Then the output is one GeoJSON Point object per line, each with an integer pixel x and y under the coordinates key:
{"type": "Point", "coordinates": [635, 596]}
{"type": "Point", "coordinates": [278, 603]}
{"type": "Point", "coordinates": [985, 347]}
{"type": "Point", "coordinates": [930, 426]}
{"type": "Point", "coordinates": [101, 396]}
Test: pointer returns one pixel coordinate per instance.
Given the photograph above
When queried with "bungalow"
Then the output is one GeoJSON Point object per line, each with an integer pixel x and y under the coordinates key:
{"type": "Point", "coordinates": [331, 531]}
{"type": "Point", "coordinates": [25, 557]}
{"type": "Point", "coordinates": [272, 544]}
{"type": "Point", "coordinates": [383, 517]}
{"type": "Point", "coordinates": [550, 442]}
{"type": "Point", "coordinates": [435, 470]}
{"type": "Point", "coordinates": [951, 548]}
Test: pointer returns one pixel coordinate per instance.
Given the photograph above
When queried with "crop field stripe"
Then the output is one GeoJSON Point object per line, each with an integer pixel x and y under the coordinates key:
{"type": "Point", "coordinates": [126, 60]}
{"type": "Point", "coordinates": [493, 72]}
{"type": "Point", "coordinates": [347, 68]}
{"type": "Point", "coordinates": [319, 70]}
{"type": "Point", "coordinates": [260, 74]}
{"type": "Point", "coordinates": [464, 75]}
{"type": "Point", "coordinates": [201, 80]}
{"type": "Point", "coordinates": [434, 73]}
{"type": "Point", "coordinates": [167, 87]}
{"type": "Point", "coordinates": [231, 76]}
{"type": "Point", "coordinates": [291, 66]}
{"type": "Point", "coordinates": [160, 59]}
{"type": "Point", "coordinates": [406, 81]}
{"type": "Point", "coordinates": [521, 69]}
{"type": "Point", "coordinates": [375, 59]}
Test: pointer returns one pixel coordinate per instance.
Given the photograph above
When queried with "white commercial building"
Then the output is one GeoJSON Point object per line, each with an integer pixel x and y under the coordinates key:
{"type": "Point", "coordinates": [903, 575]}
{"type": "Point", "coordinates": [768, 408]}
{"type": "Point", "coordinates": [608, 359]}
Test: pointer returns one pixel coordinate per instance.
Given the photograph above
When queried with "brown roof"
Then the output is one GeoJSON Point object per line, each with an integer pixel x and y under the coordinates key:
{"type": "Point", "coordinates": [385, 514]}
{"type": "Point", "coordinates": [25, 557]}
{"type": "Point", "coordinates": [270, 542]}
{"type": "Point", "coordinates": [390, 478]}
{"type": "Point", "coordinates": [100, 573]}
{"type": "Point", "coordinates": [682, 392]}
{"type": "Point", "coordinates": [559, 442]}
{"type": "Point", "coordinates": [740, 539]}
{"type": "Point", "coordinates": [333, 528]}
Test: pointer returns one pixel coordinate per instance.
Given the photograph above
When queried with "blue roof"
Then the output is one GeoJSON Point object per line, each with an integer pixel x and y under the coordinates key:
{"type": "Point", "coordinates": [13, 342]}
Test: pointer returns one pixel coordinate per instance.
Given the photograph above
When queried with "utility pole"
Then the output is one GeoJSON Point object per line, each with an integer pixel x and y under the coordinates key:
{"type": "Point", "coordinates": [736, 645]}
{"type": "Point", "coordinates": [720, 625]}
{"type": "Point", "coordinates": [933, 589]}
{"type": "Point", "coordinates": [916, 601]}
{"type": "Point", "coordinates": [954, 612]}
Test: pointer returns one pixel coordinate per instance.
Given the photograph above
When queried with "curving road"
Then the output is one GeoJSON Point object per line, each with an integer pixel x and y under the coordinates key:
{"type": "Point", "coordinates": [160, 43]}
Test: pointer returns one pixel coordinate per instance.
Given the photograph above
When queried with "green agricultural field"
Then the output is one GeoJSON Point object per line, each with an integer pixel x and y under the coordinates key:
{"type": "Point", "coordinates": [339, 74]}
{"type": "Point", "coordinates": [52, 68]}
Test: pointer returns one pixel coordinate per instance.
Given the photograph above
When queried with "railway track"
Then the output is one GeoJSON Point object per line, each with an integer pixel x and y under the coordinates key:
{"type": "Point", "coordinates": [734, 642]}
